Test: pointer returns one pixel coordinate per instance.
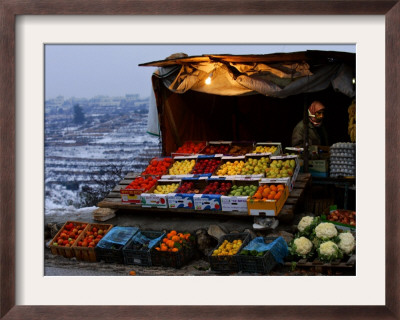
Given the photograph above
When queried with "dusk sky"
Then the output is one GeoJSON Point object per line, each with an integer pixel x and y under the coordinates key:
{"type": "Point", "coordinates": [84, 71]}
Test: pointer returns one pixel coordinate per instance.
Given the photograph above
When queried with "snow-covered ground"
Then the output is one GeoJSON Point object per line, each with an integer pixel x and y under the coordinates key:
{"type": "Point", "coordinates": [78, 156]}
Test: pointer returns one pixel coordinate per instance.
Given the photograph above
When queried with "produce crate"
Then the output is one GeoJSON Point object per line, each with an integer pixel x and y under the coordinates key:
{"type": "Point", "coordinates": [227, 263]}
{"type": "Point", "coordinates": [133, 196]}
{"type": "Point", "coordinates": [64, 251]}
{"type": "Point", "coordinates": [339, 223]}
{"type": "Point", "coordinates": [88, 253]}
{"type": "Point", "coordinates": [278, 146]}
{"type": "Point", "coordinates": [224, 160]}
{"type": "Point", "coordinates": [109, 249]}
{"type": "Point", "coordinates": [153, 200]}
{"type": "Point", "coordinates": [174, 259]}
{"type": "Point", "coordinates": [214, 147]}
{"type": "Point", "coordinates": [200, 146]}
{"type": "Point", "coordinates": [140, 256]}
{"type": "Point", "coordinates": [149, 166]}
{"type": "Point", "coordinates": [255, 264]}
{"type": "Point", "coordinates": [269, 208]}
{"type": "Point", "coordinates": [240, 148]}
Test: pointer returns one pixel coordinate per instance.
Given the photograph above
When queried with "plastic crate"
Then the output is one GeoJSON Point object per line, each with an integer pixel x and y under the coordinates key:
{"type": "Point", "coordinates": [227, 263]}
{"type": "Point", "coordinates": [88, 253]}
{"type": "Point", "coordinates": [254, 264]}
{"type": "Point", "coordinates": [173, 259]}
{"type": "Point", "coordinates": [140, 256]}
{"type": "Point", "coordinates": [66, 252]}
{"type": "Point", "coordinates": [109, 249]}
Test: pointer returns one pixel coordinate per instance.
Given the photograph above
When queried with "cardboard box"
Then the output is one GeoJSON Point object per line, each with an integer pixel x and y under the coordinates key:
{"type": "Point", "coordinates": [216, 144]}
{"type": "Point", "coordinates": [155, 200]}
{"type": "Point", "coordinates": [207, 202]}
{"type": "Point", "coordinates": [238, 203]}
{"type": "Point", "coordinates": [186, 200]}
{"type": "Point", "coordinates": [240, 148]}
{"type": "Point", "coordinates": [201, 158]}
{"type": "Point", "coordinates": [268, 208]}
{"type": "Point", "coordinates": [179, 159]}
{"type": "Point", "coordinates": [224, 160]}
{"type": "Point", "coordinates": [317, 168]}
{"type": "Point", "coordinates": [133, 195]}
{"type": "Point", "coordinates": [177, 154]}
{"type": "Point", "coordinates": [268, 144]}
{"type": "Point", "coordinates": [295, 171]}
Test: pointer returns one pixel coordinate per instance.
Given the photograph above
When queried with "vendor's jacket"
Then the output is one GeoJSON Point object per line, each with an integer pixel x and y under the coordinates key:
{"type": "Point", "coordinates": [316, 135]}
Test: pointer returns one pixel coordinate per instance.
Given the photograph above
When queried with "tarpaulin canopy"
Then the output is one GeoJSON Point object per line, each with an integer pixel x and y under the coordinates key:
{"type": "Point", "coordinates": [278, 75]}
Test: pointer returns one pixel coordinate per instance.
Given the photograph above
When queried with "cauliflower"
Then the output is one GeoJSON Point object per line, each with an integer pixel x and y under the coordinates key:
{"type": "Point", "coordinates": [326, 231]}
{"type": "Point", "coordinates": [347, 242]}
{"type": "Point", "coordinates": [306, 225]}
{"type": "Point", "coordinates": [302, 247]}
{"type": "Point", "coordinates": [329, 251]}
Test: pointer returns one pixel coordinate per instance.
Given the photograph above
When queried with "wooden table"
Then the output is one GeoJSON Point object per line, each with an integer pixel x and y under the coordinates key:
{"type": "Point", "coordinates": [292, 204]}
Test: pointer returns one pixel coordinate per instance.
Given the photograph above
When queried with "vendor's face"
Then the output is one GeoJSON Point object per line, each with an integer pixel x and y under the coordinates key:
{"type": "Point", "coordinates": [319, 116]}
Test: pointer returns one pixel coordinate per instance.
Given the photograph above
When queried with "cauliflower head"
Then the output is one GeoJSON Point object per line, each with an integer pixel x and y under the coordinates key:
{"type": "Point", "coordinates": [347, 243]}
{"type": "Point", "coordinates": [326, 231]}
{"type": "Point", "coordinates": [304, 223]}
{"type": "Point", "coordinates": [329, 251]}
{"type": "Point", "coordinates": [302, 247]}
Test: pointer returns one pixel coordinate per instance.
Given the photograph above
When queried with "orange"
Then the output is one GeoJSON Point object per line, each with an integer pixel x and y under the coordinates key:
{"type": "Point", "coordinates": [270, 196]}
{"type": "Point", "coordinates": [272, 187]}
{"type": "Point", "coordinates": [277, 196]}
{"type": "Point", "coordinates": [257, 195]}
{"type": "Point", "coordinates": [175, 238]}
{"type": "Point", "coordinates": [132, 273]}
{"type": "Point", "coordinates": [265, 193]}
{"type": "Point", "coordinates": [164, 248]}
{"type": "Point", "coordinates": [280, 187]}
{"type": "Point", "coordinates": [273, 193]}
{"type": "Point", "coordinates": [174, 249]}
{"type": "Point", "coordinates": [173, 232]}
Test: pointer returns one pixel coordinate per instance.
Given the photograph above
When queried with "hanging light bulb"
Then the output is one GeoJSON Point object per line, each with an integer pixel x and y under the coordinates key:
{"type": "Point", "coordinates": [208, 80]}
{"type": "Point", "coordinates": [354, 80]}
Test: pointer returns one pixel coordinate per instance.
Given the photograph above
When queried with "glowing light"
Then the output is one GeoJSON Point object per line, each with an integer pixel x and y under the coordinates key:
{"type": "Point", "coordinates": [354, 80]}
{"type": "Point", "coordinates": [208, 80]}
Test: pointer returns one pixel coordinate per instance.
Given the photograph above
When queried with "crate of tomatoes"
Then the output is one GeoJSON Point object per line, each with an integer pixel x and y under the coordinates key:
{"type": "Point", "coordinates": [175, 250]}
{"type": "Point", "coordinates": [84, 247]}
{"type": "Point", "coordinates": [343, 219]}
{"type": "Point", "coordinates": [66, 237]}
{"type": "Point", "coordinates": [132, 192]}
{"type": "Point", "coordinates": [158, 167]}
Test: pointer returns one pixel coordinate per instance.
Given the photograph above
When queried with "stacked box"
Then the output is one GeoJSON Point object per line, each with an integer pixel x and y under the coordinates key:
{"type": "Point", "coordinates": [292, 179]}
{"type": "Point", "coordinates": [217, 147]}
{"type": "Point", "coordinates": [186, 200]}
{"type": "Point", "coordinates": [140, 255]}
{"type": "Point", "coordinates": [66, 250]}
{"type": "Point", "coordinates": [109, 248]}
{"type": "Point", "coordinates": [174, 259]}
{"type": "Point", "coordinates": [180, 159]}
{"type": "Point", "coordinates": [269, 208]}
{"type": "Point", "coordinates": [201, 158]}
{"type": "Point", "coordinates": [89, 253]}
{"type": "Point", "coordinates": [154, 200]}
{"type": "Point", "coordinates": [240, 148]}
{"type": "Point", "coordinates": [197, 147]}
{"type": "Point", "coordinates": [227, 263]}
{"type": "Point", "coordinates": [257, 264]}
{"type": "Point", "coordinates": [238, 203]}
{"type": "Point", "coordinates": [210, 201]}
{"type": "Point", "coordinates": [147, 171]}
{"type": "Point", "coordinates": [134, 195]}
{"type": "Point", "coordinates": [224, 160]}
{"type": "Point", "coordinates": [277, 145]}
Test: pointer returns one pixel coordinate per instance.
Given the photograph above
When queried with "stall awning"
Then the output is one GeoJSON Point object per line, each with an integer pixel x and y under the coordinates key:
{"type": "Point", "coordinates": [277, 75]}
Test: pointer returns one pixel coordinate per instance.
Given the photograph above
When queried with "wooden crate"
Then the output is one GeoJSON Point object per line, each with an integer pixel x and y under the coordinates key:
{"type": "Point", "coordinates": [66, 252]}
{"type": "Point", "coordinates": [88, 253]}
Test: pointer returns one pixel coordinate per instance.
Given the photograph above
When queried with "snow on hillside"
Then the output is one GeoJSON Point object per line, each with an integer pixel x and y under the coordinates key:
{"type": "Point", "coordinates": [82, 156]}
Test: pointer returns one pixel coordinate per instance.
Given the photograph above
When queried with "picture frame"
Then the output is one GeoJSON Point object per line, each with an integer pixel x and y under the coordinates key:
{"type": "Point", "coordinates": [10, 9]}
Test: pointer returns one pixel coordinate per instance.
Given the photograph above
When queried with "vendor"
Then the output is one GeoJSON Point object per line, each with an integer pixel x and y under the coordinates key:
{"type": "Point", "coordinates": [317, 134]}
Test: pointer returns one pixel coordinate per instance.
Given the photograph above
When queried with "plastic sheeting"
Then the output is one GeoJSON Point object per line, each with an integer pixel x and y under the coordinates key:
{"type": "Point", "coordinates": [277, 80]}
